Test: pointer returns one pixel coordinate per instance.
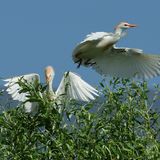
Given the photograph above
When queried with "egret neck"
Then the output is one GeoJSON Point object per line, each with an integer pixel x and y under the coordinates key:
{"type": "Point", "coordinates": [49, 88]}
{"type": "Point", "coordinates": [120, 32]}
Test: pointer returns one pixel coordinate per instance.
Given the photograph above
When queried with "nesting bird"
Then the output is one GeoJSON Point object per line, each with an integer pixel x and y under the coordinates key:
{"type": "Point", "coordinates": [76, 89]}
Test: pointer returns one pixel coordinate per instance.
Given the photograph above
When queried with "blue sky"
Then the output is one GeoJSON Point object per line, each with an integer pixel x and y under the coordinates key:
{"type": "Point", "coordinates": [34, 34]}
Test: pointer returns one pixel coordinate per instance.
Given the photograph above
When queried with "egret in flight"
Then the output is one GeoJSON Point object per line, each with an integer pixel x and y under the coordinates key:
{"type": "Point", "coordinates": [77, 88]}
{"type": "Point", "coordinates": [98, 51]}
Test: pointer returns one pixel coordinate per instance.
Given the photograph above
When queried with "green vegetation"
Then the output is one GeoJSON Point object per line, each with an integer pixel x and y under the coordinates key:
{"type": "Point", "coordinates": [120, 125]}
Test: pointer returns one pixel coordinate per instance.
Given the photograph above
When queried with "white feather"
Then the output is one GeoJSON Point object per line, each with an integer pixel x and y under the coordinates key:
{"type": "Point", "coordinates": [72, 85]}
{"type": "Point", "coordinates": [126, 62]}
{"type": "Point", "coordinates": [91, 45]}
{"type": "Point", "coordinates": [95, 36]}
{"type": "Point", "coordinates": [77, 88]}
{"type": "Point", "coordinates": [13, 87]}
{"type": "Point", "coordinates": [98, 51]}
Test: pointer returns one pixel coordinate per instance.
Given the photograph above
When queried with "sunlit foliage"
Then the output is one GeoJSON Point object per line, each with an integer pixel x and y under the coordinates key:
{"type": "Point", "coordinates": [121, 124]}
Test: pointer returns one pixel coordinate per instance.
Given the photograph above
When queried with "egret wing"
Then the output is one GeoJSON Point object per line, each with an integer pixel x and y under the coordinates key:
{"type": "Point", "coordinates": [127, 62]}
{"type": "Point", "coordinates": [95, 36]}
{"type": "Point", "coordinates": [13, 87]}
{"type": "Point", "coordinates": [76, 88]}
{"type": "Point", "coordinates": [89, 47]}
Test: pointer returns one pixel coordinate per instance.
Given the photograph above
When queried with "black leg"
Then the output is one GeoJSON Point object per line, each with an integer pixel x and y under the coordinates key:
{"type": "Point", "coordinates": [79, 63]}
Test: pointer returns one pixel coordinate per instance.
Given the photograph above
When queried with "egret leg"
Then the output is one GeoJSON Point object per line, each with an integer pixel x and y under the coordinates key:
{"type": "Point", "coordinates": [79, 61]}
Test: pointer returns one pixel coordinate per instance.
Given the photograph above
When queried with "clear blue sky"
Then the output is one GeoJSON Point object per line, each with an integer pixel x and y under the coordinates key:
{"type": "Point", "coordinates": [34, 34]}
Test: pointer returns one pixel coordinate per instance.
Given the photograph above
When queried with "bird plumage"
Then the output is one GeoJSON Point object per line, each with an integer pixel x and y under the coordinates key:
{"type": "Point", "coordinates": [71, 85]}
{"type": "Point", "coordinates": [98, 51]}
{"type": "Point", "coordinates": [13, 87]}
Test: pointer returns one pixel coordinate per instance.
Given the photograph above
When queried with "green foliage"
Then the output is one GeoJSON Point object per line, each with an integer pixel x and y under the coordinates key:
{"type": "Point", "coordinates": [120, 125]}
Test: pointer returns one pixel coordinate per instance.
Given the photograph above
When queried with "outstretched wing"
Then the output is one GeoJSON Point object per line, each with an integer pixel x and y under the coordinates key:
{"type": "Point", "coordinates": [76, 88]}
{"type": "Point", "coordinates": [89, 47]}
{"type": "Point", "coordinates": [13, 87]}
{"type": "Point", "coordinates": [127, 62]}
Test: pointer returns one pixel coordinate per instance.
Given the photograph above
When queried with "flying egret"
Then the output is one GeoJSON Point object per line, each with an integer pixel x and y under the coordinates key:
{"type": "Point", "coordinates": [77, 88]}
{"type": "Point", "coordinates": [98, 51]}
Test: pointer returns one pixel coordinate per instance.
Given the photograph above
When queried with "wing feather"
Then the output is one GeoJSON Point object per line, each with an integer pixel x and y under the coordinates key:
{"type": "Point", "coordinates": [95, 36]}
{"type": "Point", "coordinates": [77, 88]}
{"type": "Point", "coordinates": [127, 62]}
{"type": "Point", "coordinates": [13, 87]}
{"type": "Point", "coordinates": [89, 47]}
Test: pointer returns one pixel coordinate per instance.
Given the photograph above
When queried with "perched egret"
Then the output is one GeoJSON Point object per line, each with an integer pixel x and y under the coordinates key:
{"type": "Point", "coordinates": [77, 88]}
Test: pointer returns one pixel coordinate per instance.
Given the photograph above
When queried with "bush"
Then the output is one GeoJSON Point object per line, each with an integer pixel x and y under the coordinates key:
{"type": "Point", "coordinates": [121, 124]}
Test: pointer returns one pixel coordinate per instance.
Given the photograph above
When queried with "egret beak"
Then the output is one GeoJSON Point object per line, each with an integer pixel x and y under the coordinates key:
{"type": "Point", "coordinates": [132, 25]}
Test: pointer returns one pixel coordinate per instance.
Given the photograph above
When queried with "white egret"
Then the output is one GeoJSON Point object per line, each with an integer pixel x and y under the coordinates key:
{"type": "Point", "coordinates": [77, 88]}
{"type": "Point", "coordinates": [98, 51]}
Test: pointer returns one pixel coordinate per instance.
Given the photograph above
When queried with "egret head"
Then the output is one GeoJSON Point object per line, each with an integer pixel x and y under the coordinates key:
{"type": "Point", "coordinates": [124, 25]}
{"type": "Point", "coordinates": [121, 28]}
{"type": "Point", "coordinates": [49, 74]}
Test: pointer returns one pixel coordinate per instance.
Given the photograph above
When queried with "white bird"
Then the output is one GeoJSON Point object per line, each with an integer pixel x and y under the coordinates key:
{"type": "Point", "coordinates": [98, 51]}
{"type": "Point", "coordinates": [76, 89]}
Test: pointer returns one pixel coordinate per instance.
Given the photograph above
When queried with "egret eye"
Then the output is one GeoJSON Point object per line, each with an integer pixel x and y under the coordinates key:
{"type": "Point", "coordinates": [125, 24]}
